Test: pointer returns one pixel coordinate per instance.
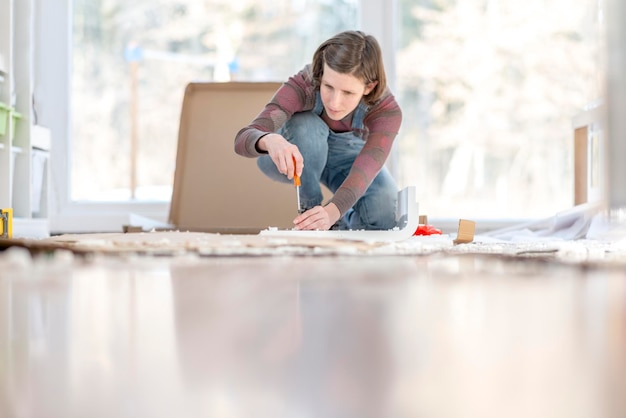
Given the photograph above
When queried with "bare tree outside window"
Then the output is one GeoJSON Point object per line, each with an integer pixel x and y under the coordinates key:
{"type": "Point", "coordinates": [489, 89]}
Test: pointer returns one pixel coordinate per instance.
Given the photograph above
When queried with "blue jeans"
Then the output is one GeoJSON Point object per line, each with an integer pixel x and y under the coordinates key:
{"type": "Point", "coordinates": [328, 158]}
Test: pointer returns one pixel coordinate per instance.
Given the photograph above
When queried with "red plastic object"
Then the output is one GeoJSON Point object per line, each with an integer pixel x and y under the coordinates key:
{"type": "Point", "coordinates": [427, 230]}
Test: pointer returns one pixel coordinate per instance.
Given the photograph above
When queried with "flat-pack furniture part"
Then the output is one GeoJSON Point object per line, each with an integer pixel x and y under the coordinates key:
{"type": "Point", "coordinates": [406, 216]}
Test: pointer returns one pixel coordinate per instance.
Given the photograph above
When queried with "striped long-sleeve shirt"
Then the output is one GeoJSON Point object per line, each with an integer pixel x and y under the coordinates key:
{"type": "Point", "coordinates": [381, 125]}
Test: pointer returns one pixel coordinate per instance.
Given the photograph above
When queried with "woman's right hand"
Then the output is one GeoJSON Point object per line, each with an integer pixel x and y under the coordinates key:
{"type": "Point", "coordinates": [283, 153]}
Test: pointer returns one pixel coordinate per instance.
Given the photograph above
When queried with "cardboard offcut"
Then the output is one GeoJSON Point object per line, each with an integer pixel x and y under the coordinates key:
{"type": "Point", "coordinates": [466, 231]}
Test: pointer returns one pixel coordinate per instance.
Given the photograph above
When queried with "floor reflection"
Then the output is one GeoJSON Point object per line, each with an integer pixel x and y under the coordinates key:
{"type": "Point", "coordinates": [437, 336]}
{"type": "Point", "coordinates": [301, 340]}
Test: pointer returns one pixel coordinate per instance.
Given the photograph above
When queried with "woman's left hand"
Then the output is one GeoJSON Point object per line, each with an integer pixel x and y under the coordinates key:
{"type": "Point", "coordinates": [319, 218]}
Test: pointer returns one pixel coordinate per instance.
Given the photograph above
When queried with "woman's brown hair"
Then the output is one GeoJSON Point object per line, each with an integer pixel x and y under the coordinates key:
{"type": "Point", "coordinates": [354, 53]}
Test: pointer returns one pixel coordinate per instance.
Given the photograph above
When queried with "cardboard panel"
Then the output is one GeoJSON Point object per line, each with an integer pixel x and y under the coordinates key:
{"type": "Point", "coordinates": [214, 188]}
{"type": "Point", "coordinates": [580, 166]}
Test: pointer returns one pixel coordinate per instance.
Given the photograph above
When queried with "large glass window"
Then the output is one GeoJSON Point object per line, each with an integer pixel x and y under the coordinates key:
{"type": "Point", "coordinates": [132, 60]}
{"type": "Point", "coordinates": [489, 89]}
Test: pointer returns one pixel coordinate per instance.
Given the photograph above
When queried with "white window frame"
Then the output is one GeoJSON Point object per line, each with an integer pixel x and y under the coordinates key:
{"type": "Point", "coordinates": [53, 59]}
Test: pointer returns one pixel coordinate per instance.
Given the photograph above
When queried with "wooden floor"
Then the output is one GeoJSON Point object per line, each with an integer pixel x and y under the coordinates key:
{"type": "Point", "coordinates": [365, 336]}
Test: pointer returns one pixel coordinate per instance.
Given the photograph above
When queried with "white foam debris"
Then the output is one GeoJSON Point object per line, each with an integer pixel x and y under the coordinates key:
{"type": "Point", "coordinates": [279, 242]}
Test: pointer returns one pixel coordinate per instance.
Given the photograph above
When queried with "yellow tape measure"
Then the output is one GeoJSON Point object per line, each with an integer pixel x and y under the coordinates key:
{"type": "Point", "coordinates": [6, 223]}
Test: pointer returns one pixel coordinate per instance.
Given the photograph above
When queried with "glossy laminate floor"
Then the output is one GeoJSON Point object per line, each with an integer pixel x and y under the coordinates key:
{"type": "Point", "coordinates": [426, 336]}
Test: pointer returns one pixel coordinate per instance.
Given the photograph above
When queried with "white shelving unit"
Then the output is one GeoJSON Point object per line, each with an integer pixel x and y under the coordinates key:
{"type": "Point", "coordinates": [24, 147]}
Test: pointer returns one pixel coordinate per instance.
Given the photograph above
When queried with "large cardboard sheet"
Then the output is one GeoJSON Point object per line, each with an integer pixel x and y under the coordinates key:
{"type": "Point", "coordinates": [214, 188]}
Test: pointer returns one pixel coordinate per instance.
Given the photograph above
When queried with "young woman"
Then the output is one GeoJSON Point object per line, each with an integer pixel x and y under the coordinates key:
{"type": "Point", "coordinates": [337, 120]}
